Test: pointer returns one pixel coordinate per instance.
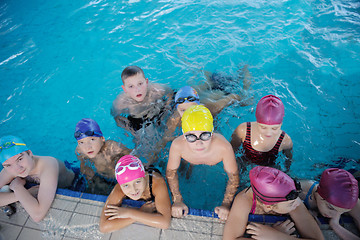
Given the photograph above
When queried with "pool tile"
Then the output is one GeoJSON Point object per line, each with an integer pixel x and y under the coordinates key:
{"type": "Point", "coordinates": [28, 233]}
{"type": "Point", "coordinates": [64, 204]}
{"type": "Point", "coordinates": [68, 198]}
{"type": "Point", "coordinates": [19, 218]}
{"type": "Point", "coordinates": [174, 234]}
{"type": "Point", "coordinates": [88, 209]}
{"type": "Point", "coordinates": [218, 228]}
{"type": "Point", "coordinates": [216, 237]}
{"type": "Point", "coordinates": [191, 226]}
{"type": "Point", "coordinates": [199, 218]}
{"type": "Point", "coordinates": [84, 227]}
{"type": "Point", "coordinates": [92, 202]}
{"type": "Point", "coordinates": [136, 232]}
{"type": "Point", "coordinates": [55, 219]}
{"type": "Point", "coordinates": [330, 235]}
{"type": "Point", "coordinates": [9, 231]}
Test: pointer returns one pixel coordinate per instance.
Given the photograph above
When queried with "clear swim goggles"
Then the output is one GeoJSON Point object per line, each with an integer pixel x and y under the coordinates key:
{"type": "Point", "coordinates": [10, 144]}
{"type": "Point", "coordinates": [205, 136]}
{"type": "Point", "coordinates": [132, 166]}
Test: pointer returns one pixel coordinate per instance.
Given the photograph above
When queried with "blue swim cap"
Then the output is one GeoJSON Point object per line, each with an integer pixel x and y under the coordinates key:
{"type": "Point", "coordinates": [11, 146]}
{"type": "Point", "coordinates": [87, 127]}
{"type": "Point", "coordinates": [186, 94]}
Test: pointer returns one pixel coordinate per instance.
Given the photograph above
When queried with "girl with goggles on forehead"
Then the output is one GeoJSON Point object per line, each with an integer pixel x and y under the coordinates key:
{"type": "Point", "coordinates": [136, 183]}
{"type": "Point", "coordinates": [271, 192]}
{"type": "Point", "coordinates": [97, 156]}
{"type": "Point", "coordinates": [199, 145]}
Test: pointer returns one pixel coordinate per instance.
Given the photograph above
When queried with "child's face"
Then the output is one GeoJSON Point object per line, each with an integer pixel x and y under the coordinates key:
{"type": "Point", "coordinates": [20, 165]}
{"type": "Point", "coordinates": [269, 131]}
{"type": "Point", "coordinates": [286, 206]}
{"type": "Point", "coordinates": [201, 144]}
{"type": "Point", "coordinates": [326, 209]}
{"type": "Point", "coordinates": [135, 188]}
{"type": "Point", "coordinates": [136, 87]}
{"type": "Point", "coordinates": [90, 146]}
{"type": "Point", "coordinates": [182, 107]}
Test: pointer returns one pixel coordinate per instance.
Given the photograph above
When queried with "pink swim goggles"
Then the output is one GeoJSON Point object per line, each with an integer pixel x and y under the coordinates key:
{"type": "Point", "coordinates": [129, 168]}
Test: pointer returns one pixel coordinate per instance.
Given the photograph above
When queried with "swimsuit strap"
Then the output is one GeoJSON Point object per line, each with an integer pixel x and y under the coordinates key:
{"type": "Point", "coordinates": [253, 207]}
{"type": "Point", "coordinates": [306, 200]}
{"type": "Point", "coordinates": [275, 149]}
{"type": "Point", "coordinates": [248, 132]}
{"type": "Point", "coordinates": [150, 171]}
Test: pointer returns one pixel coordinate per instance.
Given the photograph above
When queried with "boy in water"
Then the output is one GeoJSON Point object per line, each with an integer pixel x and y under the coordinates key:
{"type": "Point", "coordinates": [97, 157]}
{"type": "Point", "coordinates": [142, 103]}
{"type": "Point", "coordinates": [21, 166]}
{"type": "Point", "coordinates": [263, 140]}
{"type": "Point", "coordinates": [199, 145]}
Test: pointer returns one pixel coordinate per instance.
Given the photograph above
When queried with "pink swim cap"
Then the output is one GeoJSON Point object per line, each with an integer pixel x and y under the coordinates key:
{"type": "Point", "coordinates": [129, 168]}
{"type": "Point", "coordinates": [272, 186]}
{"type": "Point", "coordinates": [270, 110]}
{"type": "Point", "coordinates": [339, 188]}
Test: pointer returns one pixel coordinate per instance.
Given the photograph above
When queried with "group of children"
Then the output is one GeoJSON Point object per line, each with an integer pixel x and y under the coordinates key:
{"type": "Point", "coordinates": [110, 167]}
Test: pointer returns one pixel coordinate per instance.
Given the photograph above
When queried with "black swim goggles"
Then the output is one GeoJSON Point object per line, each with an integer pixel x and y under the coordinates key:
{"type": "Point", "coordinates": [10, 144]}
{"type": "Point", "coordinates": [89, 133]}
{"type": "Point", "coordinates": [205, 136]}
{"type": "Point", "coordinates": [189, 98]}
{"type": "Point", "coordinates": [290, 196]}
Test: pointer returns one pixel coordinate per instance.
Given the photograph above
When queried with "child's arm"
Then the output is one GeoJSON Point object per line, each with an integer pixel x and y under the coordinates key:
{"type": "Point", "coordinates": [238, 136]}
{"type": "Point", "coordinates": [287, 149]}
{"type": "Point", "coordinates": [340, 230]}
{"type": "Point", "coordinates": [355, 213]}
{"type": "Point", "coordinates": [216, 107]}
{"type": "Point", "coordinates": [38, 208]}
{"type": "Point", "coordinates": [114, 199]}
{"type": "Point", "coordinates": [178, 208]}
{"type": "Point", "coordinates": [231, 169]}
{"type": "Point", "coordinates": [6, 197]}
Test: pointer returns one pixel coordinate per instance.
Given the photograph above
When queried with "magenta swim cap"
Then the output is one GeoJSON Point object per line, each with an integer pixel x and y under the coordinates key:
{"type": "Point", "coordinates": [129, 168]}
{"type": "Point", "coordinates": [339, 188]}
{"type": "Point", "coordinates": [270, 110]}
{"type": "Point", "coordinates": [272, 186]}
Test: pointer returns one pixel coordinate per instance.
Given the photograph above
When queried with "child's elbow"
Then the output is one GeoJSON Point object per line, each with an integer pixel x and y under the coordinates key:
{"type": "Point", "coordinates": [105, 228]}
{"type": "Point", "coordinates": [38, 218]}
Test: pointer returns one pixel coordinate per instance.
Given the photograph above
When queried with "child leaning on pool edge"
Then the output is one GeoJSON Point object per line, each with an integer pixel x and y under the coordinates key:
{"type": "Point", "coordinates": [136, 183]}
{"type": "Point", "coordinates": [336, 193]}
{"type": "Point", "coordinates": [271, 192]}
{"type": "Point", "coordinates": [263, 140]}
{"type": "Point", "coordinates": [21, 166]}
{"type": "Point", "coordinates": [199, 145]}
{"type": "Point", "coordinates": [97, 156]}
{"type": "Point", "coordinates": [142, 103]}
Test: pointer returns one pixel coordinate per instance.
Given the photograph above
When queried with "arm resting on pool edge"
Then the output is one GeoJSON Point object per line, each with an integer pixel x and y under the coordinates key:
{"type": "Point", "coordinates": [178, 208]}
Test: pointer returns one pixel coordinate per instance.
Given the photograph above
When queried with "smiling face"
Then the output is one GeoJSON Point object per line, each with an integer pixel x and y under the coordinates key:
{"type": "Point", "coordinates": [20, 165]}
{"type": "Point", "coordinates": [326, 209]}
{"type": "Point", "coordinates": [90, 146]}
{"type": "Point", "coordinates": [136, 87]}
{"type": "Point", "coordinates": [181, 108]}
{"type": "Point", "coordinates": [199, 145]}
{"type": "Point", "coordinates": [269, 131]}
{"type": "Point", "coordinates": [135, 188]}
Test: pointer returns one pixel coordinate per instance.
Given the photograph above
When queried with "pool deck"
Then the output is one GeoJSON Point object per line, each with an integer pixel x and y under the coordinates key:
{"type": "Point", "coordinates": [78, 218]}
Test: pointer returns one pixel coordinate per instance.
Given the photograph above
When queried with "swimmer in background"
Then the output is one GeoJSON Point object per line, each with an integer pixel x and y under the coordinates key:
{"type": "Point", "coordinates": [263, 140]}
{"type": "Point", "coordinates": [337, 193]}
{"type": "Point", "coordinates": [22, 166]}
{"type": "Point", "coordinates": [142, 103]}
{"type": "Point", "coordinates": [136, 183]}
{"type": "Point", "coordinates": [199, 145]}
{"type": "Point", "coordinates": [97, 156]}
{"type": "Point", "coordinates": [271, 192]}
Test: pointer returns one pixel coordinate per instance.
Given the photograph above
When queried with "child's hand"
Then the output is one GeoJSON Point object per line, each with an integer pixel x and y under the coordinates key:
{"type": "Point", "coordinates": [334, 221]}
{"type": "Point", "coordinates": [263, 232]}
{"type": "Point", "coordinates": [18, 181]}
{"type": "Point", "coordinates": [114, 212]}
{"type": "Point", "coordinates": [287, 227]}
{"type": "Point", "coordinates": [179, 209]}
{"type": "Point", "coordinates": [222, 212]}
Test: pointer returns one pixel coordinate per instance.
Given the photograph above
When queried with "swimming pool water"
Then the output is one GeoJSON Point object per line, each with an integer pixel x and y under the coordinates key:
{"type": "Point", "coordinates": [61, 61]}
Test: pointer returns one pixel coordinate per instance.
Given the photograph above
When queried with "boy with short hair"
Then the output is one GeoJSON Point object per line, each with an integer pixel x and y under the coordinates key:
{"type": "Point", "coordinates": [142, 103]}
{"type": "Point", "coordinates": [97, 156]}
{"type": "Point", "coordinates": [21, 166]}
{"type": "Point", "coordinates": [199, 145]}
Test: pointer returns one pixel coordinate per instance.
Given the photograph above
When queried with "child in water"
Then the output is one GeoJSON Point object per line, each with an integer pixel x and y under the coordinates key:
{"type": "Point", "coordinates": [271, 192]}
{"type": "Point", "coordinates": [21, 166]}
{"type": "Point", "coordinates": [142, 103]}
{"type": "Point", "coordinates": [336, 193]}
{"type": "Point", "coordinates": [136, 183]}
{"type": "Point", "coordinates": [263, 140]}
{"type": "Point", "coordinates": [97, 157]}
{"type": "Point", "coordinates": [199, 145]}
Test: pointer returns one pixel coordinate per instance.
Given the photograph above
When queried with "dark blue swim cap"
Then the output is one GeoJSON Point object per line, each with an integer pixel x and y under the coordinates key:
{"type": "Point", "coordinates": [11, 146]}
{"type": "Point", "coordinates": [186, 94]}
{"type": "Point", "coordinates": [87, 127]}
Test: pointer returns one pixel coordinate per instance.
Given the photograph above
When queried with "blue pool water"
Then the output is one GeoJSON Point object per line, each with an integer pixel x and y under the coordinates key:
{"type": "Point", "coordinates": [61, 61]}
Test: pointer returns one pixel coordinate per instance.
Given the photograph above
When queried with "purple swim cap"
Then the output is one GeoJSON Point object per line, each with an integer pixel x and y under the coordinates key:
{"type": "Point", "coordinates": [270, 110]}
{"type": "Point", "coordinates": [87, 127]}
{"type": "Point", "coordinates": [339, 188]}
{"type": "Point", "coordinates": [129, 168]}
{"type": "Point", "coordinates": [271, 185]}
